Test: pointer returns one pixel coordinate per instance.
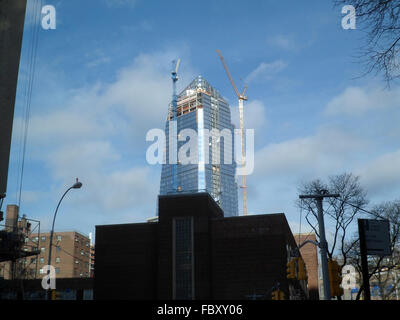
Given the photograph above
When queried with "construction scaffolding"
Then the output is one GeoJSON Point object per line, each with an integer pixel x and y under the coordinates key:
{"type": "Point", "coordinates": [17, 247]}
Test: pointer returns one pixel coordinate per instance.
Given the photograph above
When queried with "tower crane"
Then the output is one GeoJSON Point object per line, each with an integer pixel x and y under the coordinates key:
{"type": "Point", "coordinates": [241, 97]}
{"type": "Point", "coordinates": [174, 77]}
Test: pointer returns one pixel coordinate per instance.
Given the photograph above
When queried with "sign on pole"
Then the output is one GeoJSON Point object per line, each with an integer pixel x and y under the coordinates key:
{"type": "Point", "coordinates": [377, 237]}
{"type": "Point", "coordinates": [374, 240]}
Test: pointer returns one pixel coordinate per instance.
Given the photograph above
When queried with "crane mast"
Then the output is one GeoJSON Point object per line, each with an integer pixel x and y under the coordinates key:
{"type": "Point", "coordinates": [174, 77]}
{"type": "Point", "coordinates": [241, 98]}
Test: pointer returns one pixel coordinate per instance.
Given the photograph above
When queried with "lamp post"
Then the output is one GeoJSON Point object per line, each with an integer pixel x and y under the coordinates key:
{"type": "Point", "coordinates": [76, 185]}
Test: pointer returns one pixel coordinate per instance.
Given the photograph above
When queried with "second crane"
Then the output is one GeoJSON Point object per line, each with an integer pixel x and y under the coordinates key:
{"type": "Point", "coordinates": [241, 98]}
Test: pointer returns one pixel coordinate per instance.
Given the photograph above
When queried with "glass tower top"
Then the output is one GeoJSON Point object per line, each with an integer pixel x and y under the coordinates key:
{"type": "Point", "coordinates": [202, 109]}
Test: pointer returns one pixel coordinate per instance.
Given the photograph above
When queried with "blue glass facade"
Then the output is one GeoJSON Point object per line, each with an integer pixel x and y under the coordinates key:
{"type": "Point", "coordinates": [202, 109]}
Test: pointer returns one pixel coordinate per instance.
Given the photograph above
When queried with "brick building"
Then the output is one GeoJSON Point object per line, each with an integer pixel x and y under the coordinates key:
{"type": "Point", "coordinates": [70, 256]}
{"type": "Point", "coordinates": [193, 252]}
{"type": "Point", "coordinates": [310, 256]}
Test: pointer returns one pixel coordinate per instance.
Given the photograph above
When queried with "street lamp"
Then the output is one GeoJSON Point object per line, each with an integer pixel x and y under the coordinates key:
{"type": "Point", "coordinates": [76, 185]}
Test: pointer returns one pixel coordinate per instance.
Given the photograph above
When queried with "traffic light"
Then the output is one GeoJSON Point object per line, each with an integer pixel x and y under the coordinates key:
{"type": "Point", "coordinates": [278, 295]}
{"type": "Point", "coordinates": [291, 269]}
{"type": "Point", "coordinates": [302, 270]}
{"type": "Point", "coordinates": [55, 295]}
{"type": "Point", "coordinates": [335, 278]}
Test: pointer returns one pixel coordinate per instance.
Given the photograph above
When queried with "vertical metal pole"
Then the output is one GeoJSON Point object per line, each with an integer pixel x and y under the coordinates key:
{"type": "Point", "coordinates": [323, 245]}
{"type": "Point", "coordinates": [364, 260]}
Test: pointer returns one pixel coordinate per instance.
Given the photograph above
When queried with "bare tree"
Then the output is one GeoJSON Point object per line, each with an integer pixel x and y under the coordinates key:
{"type": "Point", "coordinates": [380, 20]}
{"type": "Point", "coordinates": [338, 213]}
{"type": "Point", "coordinates": [338, 210]}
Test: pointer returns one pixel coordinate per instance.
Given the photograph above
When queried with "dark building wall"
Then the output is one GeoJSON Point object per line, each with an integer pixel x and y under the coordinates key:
{"type": "Point", "coordinates": [12, 17]}
{"type": "Point", "coordinates": [202, 208]}
{"type": "Point", "coordinates": [125, 265]}
{"type": "Point", "coordinates": [232, 257]}
{"type": "Point", "coordinates": [164, 260]}
{"type": "Point", "coordinates": [249, 255]}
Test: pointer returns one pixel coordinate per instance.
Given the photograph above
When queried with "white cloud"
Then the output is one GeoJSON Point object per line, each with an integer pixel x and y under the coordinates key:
{"type": "Point", "coordinates": [142, 26]}
{"type": "Point", "coordinates": [254, 114]}
{"type": "Point", "coordinates": [328, 151]}
{"type": "Point", "coordinates": [109, 182]}
{"type": "Point", "coordinates": [282, 41]}
{"type": "Point", "coordinates": [98, 133]}
{"type": "Point", "coordinates": [131, 105]}
{"type": "Point", "coordinates": [357, 101]}
{"type": "Point", "coordinates": [265, 71]}
{"type": "Point", "coordinates": [98, 61]}
{"type": "Point", "coordinates": [381, 176]}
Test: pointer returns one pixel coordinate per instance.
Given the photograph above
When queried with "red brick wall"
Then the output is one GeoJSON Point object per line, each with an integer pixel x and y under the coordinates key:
{"type": "Point", "coordinates": [310, 256]}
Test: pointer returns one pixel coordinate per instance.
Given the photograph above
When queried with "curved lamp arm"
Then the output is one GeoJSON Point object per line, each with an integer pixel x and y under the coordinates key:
{"type": "Point", "coordinates": [76, 185]}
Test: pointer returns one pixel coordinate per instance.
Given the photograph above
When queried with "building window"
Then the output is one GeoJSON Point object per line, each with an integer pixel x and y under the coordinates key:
{"type": "Point", "coordinates": [82, 253]}
{"type": "Point", "coordinates": [43, 238]}
{"type": "Point", "coordinates": [58, 248]}
{"type": "Point", "coordinates": [58, 260]}
{"type": "Point", "coordinates": [43, 249]}
{"type": "Point", "coordinates": [41, 260]}
{"type": "Point", "coordinates": [59, 238]}
{"type": "Point", "coordinates": [41, 271]}
{"type": "Point", "coordinates": [76, 261]}
{"type": "Point", "coordinates": [57, 270]}
{"type": "Point", "coordinates": [183, 286]}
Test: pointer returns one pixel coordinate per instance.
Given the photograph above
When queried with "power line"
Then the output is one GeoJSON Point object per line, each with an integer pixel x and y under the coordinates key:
{"type": "Point", "coordinates": [28, 90]}
{"type": "Point", "coordinates": [357, 207]}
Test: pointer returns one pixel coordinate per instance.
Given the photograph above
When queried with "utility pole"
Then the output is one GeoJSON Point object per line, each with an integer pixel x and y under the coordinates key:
{"type": "Point", "coordinates": [323, 244]}
{"type": "Point", "coordinates": [364, 260]}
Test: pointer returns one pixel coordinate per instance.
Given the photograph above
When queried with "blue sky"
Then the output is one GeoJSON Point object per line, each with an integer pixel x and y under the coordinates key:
{"type": "Point", "coordinates": [102, 80]}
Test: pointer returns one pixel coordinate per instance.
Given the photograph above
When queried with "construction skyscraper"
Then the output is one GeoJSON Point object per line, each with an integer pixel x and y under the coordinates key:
{"type": "Point", "coordinates": [201, 108]}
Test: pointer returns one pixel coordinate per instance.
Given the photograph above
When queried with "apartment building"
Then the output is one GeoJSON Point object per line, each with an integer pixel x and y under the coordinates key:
{"type": "Point", "coordinates": [70, 256]}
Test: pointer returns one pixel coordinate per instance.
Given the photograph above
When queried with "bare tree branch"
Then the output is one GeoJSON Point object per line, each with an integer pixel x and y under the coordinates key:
{"type": "Point", "coordinates": [380, 20]}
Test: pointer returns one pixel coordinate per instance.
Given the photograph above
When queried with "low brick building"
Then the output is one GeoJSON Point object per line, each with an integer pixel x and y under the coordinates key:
{"type": "Point", "coordinates": [193, 252]}
{"type": "Point", "coordinates": [70, 255]}
{"type": "Point", "coordinates": [310, 255]}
